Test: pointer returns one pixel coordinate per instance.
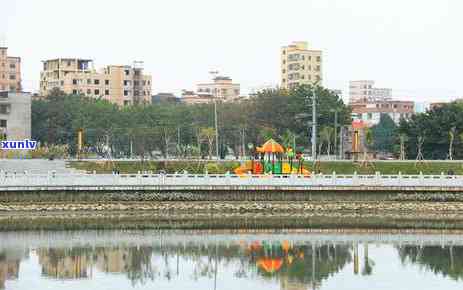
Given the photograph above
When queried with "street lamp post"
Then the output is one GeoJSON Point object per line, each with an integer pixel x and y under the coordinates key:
{"type": "Point", "coordinates": [216, 129]}
{"type": "Point", "coordinates": [335, 111]}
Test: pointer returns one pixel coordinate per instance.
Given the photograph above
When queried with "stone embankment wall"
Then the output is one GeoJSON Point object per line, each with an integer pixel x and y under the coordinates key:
{"type": "Point", "coordinates": [273, 207]}
{"type": "Point", "coordinates": [147, 196]}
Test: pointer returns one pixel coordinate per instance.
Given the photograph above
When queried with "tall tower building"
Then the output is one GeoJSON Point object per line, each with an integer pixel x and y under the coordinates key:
{"type": "Point", "coordinates": [300, 65]}
{"type": "Point", "coordinates": [10, 71]}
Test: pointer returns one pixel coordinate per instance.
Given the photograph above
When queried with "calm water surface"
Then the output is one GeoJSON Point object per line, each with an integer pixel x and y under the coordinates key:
{"type": "Point", "coordinates": [199, 260]}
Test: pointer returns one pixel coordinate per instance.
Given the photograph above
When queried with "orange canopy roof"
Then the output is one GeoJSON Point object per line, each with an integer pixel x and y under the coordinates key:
{"type": "Point", "coordinates": [271, 146]}
{"type": "Point", "coordinates": [270, 265]}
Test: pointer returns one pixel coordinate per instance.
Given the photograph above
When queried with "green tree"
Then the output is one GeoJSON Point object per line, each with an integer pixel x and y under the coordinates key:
{"type": "Point", "coordinates": [326, 136]}
{"type": "Point", "coordinates": [208, 135]}
{"type": "Point", "coordinates": [384, 134]}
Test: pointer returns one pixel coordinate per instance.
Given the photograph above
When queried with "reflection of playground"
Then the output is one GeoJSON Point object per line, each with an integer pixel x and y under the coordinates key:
{"type": "Point", "coordinates": [295, 266]}
{"type": "Point", "coordinates": [298, 266]}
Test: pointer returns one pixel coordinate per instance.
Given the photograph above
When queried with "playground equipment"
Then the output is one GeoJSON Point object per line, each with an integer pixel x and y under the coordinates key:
{"type": "Point", "coordinates": [272, 158]}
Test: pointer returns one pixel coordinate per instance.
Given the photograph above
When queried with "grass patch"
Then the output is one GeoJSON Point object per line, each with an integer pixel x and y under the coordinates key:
{"type": "Point", "coordinates": [327, 167]}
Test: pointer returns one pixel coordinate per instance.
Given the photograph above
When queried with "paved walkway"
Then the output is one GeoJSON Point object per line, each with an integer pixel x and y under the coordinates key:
{"type": "Point", "coordinates": [36, 166]}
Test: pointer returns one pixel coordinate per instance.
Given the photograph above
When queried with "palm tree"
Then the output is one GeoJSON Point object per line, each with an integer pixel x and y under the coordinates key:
{"type": "Point", "coordinates": [288, 139]}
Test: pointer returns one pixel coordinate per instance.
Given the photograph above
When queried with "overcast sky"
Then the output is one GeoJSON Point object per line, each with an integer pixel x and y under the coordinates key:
{"type": "Point", "coordinates": [412, 46]}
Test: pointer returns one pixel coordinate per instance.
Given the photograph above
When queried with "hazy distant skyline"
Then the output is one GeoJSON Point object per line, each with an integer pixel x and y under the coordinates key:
{"type": "Point", "coordinates": [412, 46]}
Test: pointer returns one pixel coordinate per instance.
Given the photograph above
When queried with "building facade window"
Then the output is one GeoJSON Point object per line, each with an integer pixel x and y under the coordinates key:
{"type": "Point", "coordinates": [106, 92]}
{"type": "Point", "coordinates": [126, 93]}
{"type": "Point", "coordinates": [96, 81]}
{"type": "Point", "coordinates": [106, 82]}
{"type": "Point", "coordinates": [97, 92]}
{"type": "Point", "coordinates": [74, 82]}
{"type": "Point", "coordinates": [4, 109]}
{"type": "Point", "coordinates": [3, 123]}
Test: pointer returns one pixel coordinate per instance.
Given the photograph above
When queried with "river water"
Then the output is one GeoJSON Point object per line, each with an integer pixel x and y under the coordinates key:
{"type": "Point", "coordinates": [244, 260]}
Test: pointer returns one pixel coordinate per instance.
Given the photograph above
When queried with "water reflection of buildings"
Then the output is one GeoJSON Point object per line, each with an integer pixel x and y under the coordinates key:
{"type": "Point", "coordinates": [79, 263]}
{"type": "Point", "coordinates": [112, 260]}
{"type": "Point", "coordinates": [292, 266]}
{"type": "Point", "coordinates": [65, 263]}
{"type": "Point", "coordinates": [9, 265]}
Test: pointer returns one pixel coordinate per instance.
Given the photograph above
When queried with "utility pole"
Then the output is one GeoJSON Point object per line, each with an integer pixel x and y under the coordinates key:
{"type": "Point", "coordinates": [216, 130]}
{"type": "Point", "coordinates": [214, 74]}
{"type": "Point", "coordinates": [242, 144]}
{"type": "Point", "coordinates": [341, 132]}
{"type": "Point", "coordinates": [314, 124]}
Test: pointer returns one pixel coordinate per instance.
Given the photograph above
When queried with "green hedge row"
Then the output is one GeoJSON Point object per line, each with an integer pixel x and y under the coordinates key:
{"type": "Point", "coordinates": [224, 166]}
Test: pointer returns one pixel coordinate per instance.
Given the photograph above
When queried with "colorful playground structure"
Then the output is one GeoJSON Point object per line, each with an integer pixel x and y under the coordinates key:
{"type": "Point", "coordinates": [272, 158]}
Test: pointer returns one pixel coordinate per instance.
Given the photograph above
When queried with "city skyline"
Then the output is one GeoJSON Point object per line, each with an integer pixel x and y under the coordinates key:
{"type": "Point", "coordinates": [377, 41]}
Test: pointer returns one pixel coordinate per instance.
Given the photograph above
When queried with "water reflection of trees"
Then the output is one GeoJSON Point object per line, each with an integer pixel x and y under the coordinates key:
{"type": "Point", "coordinates": [301, 264]}
{"type": "Point", "coordinates": [292, 265]}
{"type": "Point", "coordinates": [447, 260]}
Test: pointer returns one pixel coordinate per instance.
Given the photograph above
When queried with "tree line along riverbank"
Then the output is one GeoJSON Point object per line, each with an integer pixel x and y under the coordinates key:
{"type": "Point", "coordinates": [221, 167]}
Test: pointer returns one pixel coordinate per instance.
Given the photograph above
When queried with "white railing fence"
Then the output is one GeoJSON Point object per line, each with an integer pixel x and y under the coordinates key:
{"type": "Point", "coordinates": [52, 178]}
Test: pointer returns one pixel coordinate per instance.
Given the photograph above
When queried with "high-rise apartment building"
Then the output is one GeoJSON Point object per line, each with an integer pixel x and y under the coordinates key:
{"type": "Point", "coordinates": [365, 91]}
{"type": "Point", "coordinates": [119, 84]}
{"type": "Point", "coordinates": [10, 71]}
{"type": "Point", "coordinates": [300, 65]}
